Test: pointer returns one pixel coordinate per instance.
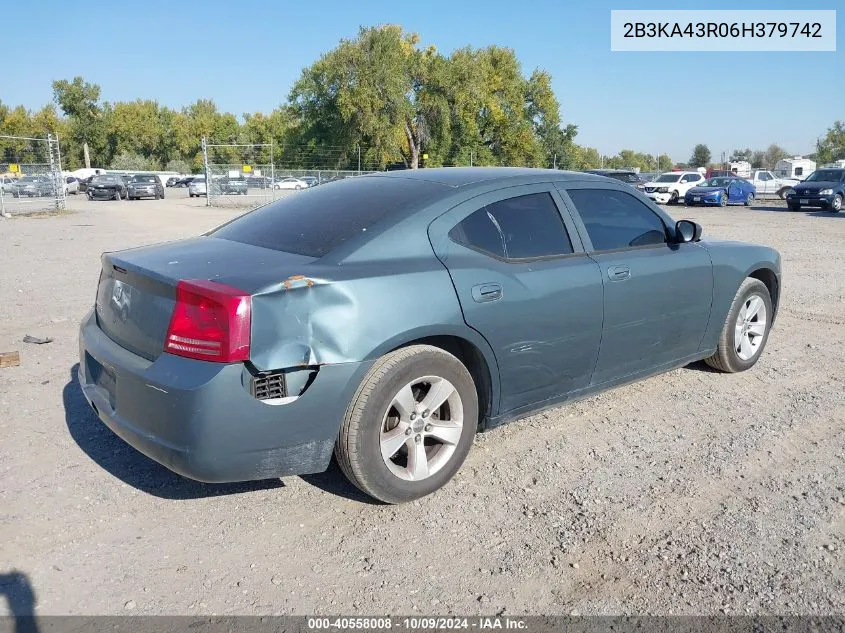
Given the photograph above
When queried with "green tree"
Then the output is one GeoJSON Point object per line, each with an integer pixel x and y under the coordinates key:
{"type": "Point", "coordinates": [178, 165]}
{"type": "Point", "coordinates": [132, 160]}
{"type": "Point", "coordinates": [773, 154]}
{"type": "Point", "coordinates": [832, 146]}
{"type": "Point", "coordinates": [700, 156]}
{"type": "Point", "coordinates": [741, 154]}
{"type": "Point", "coordinates": [80, 101]}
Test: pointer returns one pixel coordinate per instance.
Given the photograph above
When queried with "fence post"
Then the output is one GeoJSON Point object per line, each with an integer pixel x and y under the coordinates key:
{"type": "Point", "coordinates": [205, 169]}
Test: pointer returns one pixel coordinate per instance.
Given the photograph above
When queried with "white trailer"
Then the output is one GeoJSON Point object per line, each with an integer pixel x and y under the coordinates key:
{"type": "Point", "coordinates": [741, 168]}
{"type": "Point", "coordinates": [795, 167]}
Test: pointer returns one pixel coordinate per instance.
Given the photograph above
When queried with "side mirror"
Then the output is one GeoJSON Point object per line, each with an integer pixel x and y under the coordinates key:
{"type": "Point", "coordinates": [687, 231]}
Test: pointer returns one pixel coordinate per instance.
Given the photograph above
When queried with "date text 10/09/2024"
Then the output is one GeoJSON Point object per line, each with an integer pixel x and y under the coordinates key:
{"type": "Point", "coordinates": [416, 623]}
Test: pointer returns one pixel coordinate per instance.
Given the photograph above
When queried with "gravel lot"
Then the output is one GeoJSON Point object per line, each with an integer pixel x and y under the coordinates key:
{"type": "Point", "coordinates": [693, 492]}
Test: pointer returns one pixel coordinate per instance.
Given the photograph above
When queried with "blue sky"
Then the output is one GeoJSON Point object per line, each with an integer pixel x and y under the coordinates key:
{"type": "Point", "coordinates": [247, 55]}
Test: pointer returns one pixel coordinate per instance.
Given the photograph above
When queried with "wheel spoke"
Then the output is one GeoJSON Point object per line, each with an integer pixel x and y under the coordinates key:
{"type": "Point", "coordinates": [404, 402]}
{"type": "Point", "coordinates": [758, 328]}
{"type": "Point", "coordinates": [446, 433]}
{"type": "Point", "coordinates": [417, 461]}
{"type": "Point", "coordinates": [439, 393]}
{"type": "Point", "coordinates": [753, 307]}
{"type": "Point", "coordinates": [746, 350]}
{"type": "Point", "coordinates": [738, 334]}
{"type": "Point", "coordinates": [393, 440]}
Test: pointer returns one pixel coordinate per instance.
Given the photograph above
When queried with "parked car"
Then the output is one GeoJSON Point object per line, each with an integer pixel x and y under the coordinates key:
{"type": "Point", "coordinates": [290, 183]}
{"type": "Point", "coordinates": [197, 187]}
{"type": "Point", "coordinates": [185, 181]}
{"type": "Point", "coordinates": [670, 188]}
{"type": "Point", "coordinates": [768, 185]}
{"type": "Point", "coordinates": [259, 182]}
{"type": "Point", "coordinates": [107, 187]}
{"type": "Point", "coordinates": [531, 299]}
{"type": "Point", "coordinates": [629, 177]}
{"type": "Point", "coordinates": [823, 188]}
{"type": "Point", "coordinates": [84, 183]}
{"type": "Point", "coordinates": [721, 191]}
{"type": "Point", "coordinates": [225, 185]}
{"type": "Point", "coordinates": [311, 181]}
{"type": "Point", "coordinates": [145, 186]}
{"type": "Point", "coordinates": [32, 187]}
{"type": "Point", "coordinates": [71, 185]}
{"type": "Point", "coordinates": [7, 184]}
{"type": "Point", "coordinates": [171, 182]}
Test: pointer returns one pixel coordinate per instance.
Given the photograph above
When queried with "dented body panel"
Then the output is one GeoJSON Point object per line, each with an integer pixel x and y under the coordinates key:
{"type": "Point", "coordinates": [560, 329]}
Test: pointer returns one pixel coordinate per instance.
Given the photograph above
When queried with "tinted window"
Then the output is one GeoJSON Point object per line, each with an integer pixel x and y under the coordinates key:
{"type": "Point", "coordinates": [318, 220]}
{"type": "Point", "coordinates": [517, 228]}
{"type": "Point", "coordinates": [615, 219]}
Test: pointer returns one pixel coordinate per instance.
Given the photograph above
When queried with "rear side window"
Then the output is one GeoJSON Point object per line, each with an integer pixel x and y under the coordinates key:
{"type": "Point", "coordinates": [615, 219]}
{"type": "Point", "coordinates": [522, 227]}
{"type": "Point", "coordinates": [316, 221]}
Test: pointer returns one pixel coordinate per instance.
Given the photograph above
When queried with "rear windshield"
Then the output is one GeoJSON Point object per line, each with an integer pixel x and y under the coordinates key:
{"type": "Point", "coordinates": [316, 221]}
{"type": "Point", "coordinates": [144, 178]}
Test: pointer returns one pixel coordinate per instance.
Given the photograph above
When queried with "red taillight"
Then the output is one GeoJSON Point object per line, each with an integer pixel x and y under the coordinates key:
{"type": "Point", "coordinates": [211, 321]}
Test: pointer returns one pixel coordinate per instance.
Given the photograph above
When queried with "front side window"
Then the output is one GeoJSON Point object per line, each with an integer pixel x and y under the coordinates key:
{"type": "Point", "coordinates": [615, 219]}
{"type": "Point", "coordinates": [523, 227]}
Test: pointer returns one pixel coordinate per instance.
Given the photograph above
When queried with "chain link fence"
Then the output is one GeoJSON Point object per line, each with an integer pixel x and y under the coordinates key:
{"type": "Point", "coordinates": [31, 178]}
{"type": "Point", "coordinates": [250, 175]}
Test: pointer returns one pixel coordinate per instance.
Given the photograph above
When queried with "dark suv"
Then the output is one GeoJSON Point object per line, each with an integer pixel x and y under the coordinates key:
{"type": "Point", "coordinates": [823, 188]}
{"type": "Point", "coordinates": [627, 176]}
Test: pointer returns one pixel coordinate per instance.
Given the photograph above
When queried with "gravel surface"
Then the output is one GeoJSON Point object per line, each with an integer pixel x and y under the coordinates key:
{"type": "Point", "coordinates": [692, 492]}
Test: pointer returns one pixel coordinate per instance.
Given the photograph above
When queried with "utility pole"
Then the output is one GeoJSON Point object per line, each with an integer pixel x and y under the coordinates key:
{"type": "Point", "coordinates": [554, 162]}
{"type": "Point", "coordinates": [359, 159]}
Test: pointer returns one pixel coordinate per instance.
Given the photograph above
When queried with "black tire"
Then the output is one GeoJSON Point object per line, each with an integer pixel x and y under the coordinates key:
{"type": "Point", "coordinates": [726, 358]}
{"type": "Point", "coordinates": [358, 450]}
{"type": "Point", "coordinates": [794, 207]}
{"type": "Point", "coordinates": [749, 199]}
{"type": "Point", "coordinates": [782, 193]}
{"type": "Point", "coordinates": [673, 199]}
{"type": "Point", "coordinates": [723, 200]}
{"type": "Point", "coordinates": [836, 205]}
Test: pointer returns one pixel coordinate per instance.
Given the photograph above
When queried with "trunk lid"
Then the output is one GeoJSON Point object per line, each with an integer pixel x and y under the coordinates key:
{"type": "Point", "coordinates": [137, 289]}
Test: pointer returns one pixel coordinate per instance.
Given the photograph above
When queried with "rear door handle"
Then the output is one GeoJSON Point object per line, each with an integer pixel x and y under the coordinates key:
{"type": "Point", "coordinates": [618, 273]}
{"type": "Point", "coordinates": [486, 292]}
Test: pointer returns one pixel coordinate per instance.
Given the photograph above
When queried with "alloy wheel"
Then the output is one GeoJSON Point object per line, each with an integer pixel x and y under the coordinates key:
{"type": "Point", "coordinates": [421, 428]}
{"type": "Point", "coordinates": [750, 327]}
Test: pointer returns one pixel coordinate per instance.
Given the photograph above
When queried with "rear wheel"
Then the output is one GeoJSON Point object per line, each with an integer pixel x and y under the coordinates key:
{"type": "Point", "coordinates": [117, 195]}
{"type": "Point", "coordinates": [746, 328]}
{"type": "Point", "coordinates": [749, 200]}
{"type": "Point", "coordinates": [836, 205]}
{"type": "Point", "coordinates": [410, 425]}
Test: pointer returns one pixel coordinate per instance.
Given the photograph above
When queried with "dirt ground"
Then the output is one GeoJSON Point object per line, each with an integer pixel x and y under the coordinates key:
{"type": "Point", "coordinates": [692, 492]}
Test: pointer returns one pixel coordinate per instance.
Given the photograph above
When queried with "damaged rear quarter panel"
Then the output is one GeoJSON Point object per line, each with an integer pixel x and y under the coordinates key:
{"type": "Point", "coordinates": [352, 313]}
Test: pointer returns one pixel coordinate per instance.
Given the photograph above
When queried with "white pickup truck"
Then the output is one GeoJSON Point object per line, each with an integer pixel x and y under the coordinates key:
{"type": "Point", "coordinates": [769, 185]}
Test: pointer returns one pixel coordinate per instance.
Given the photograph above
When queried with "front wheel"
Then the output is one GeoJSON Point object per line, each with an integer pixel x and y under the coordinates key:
{"type": "Point", "coordinates": [117, 195]}
{"type": "Point", "coordinates": [746, 328]}
{"type": "Point", "coordinates": [836, 205]}
{"type": "Point", "coordinates": [723, 200]}
{"type": "Point", "coordinates": [410, 425]}
{"type": "Point", "coordinates": [782, 193]}
{"type": "Point", "coordinates": [794, 207]}
{"type": "Point", "coordinates": [673, 199]}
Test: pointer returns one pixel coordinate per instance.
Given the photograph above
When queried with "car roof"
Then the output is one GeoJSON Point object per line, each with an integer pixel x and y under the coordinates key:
{"type": "Point", "coordinates": [463, 176]}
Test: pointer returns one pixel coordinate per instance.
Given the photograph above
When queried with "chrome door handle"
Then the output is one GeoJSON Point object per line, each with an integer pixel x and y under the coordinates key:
{"type": "Point", "coordinates": [486, 292]}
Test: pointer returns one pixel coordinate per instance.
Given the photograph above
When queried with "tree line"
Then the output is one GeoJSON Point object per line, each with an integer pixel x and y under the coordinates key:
{"type": "Point", "coordinates": [375, 100]}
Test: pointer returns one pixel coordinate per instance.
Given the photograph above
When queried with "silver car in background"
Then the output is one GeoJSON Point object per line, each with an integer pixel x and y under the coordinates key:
{"type": "Point", "coordinates": [196, 187]}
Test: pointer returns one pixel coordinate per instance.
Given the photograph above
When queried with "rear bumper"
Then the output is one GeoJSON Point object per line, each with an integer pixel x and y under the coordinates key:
{"type": "Point", "coordinates": [198, 419]}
